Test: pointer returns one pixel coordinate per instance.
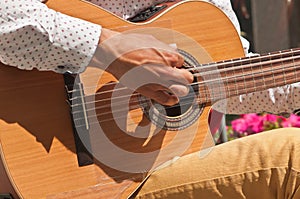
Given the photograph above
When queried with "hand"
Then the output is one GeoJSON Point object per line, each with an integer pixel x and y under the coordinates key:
{"type": "Point", "coordinates": [145, 64]}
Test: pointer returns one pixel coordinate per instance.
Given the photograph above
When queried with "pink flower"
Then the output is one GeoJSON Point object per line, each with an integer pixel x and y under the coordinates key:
{"type": "Point", "coordinates": [255, 123]}
{"type": "Point", "coordinates": [292, 121]}
{"type": "Point", "coordinates": [239, 125]}
{"type": "Point", "coordinates": [258, 126]}
{"type": "Point", "coordinates": [249, 124]}
{"type": "Point", "coordinates": [251, 118]}
{"type": "Point", "coordinates": [270, 118]}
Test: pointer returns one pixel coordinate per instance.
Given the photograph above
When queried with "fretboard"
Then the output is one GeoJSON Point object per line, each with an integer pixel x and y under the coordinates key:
{"type": "Point", "coordinates": [229, 78]}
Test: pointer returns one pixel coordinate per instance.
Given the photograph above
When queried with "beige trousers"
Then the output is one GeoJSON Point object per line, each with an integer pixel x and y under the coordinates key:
{"type": "Point", "coordinates": [262, 166]}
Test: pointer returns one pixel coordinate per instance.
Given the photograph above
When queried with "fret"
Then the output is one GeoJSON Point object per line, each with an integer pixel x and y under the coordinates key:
{"type": "Point", "coordinates": [202, 91]}
{"type": "Point", "coordinates": [244, 80]}
{"type": "Point", "coordinates": [244, 77]}
{"type": "Point", "coordinates": [274, 82]}
{"type": "Point", "coordinates": [211, 91]}
{"type": "Point", "coordinates": [295, 68]}
{"type": "Point", "coordinates": [283, 71]}
{"type": "Point", "coordinates": [227, 89]}
{"type": "Point", "coordinates": [235, 89]}
{"type": "Point", "coordinates": [263, 76]}
{"type": "Point", "coordinates": [217, 83]}
{"type": "Point", "coordinates": [296, 63]}
{"type": "Point", "coordinates": [229, 76]}
{"type": "Point", "coordinates": [214, 82]}
{"type": "Point", "coordinates": [250, 74]}
{"type": "Point", "coordinates": [203, 96]}
{"type": "Point", "coordinates": [293, 74]}
{"type": "Point", "coordinates": [267, 65]}
{"type": "Point", "coordinates": [206, 75]}
{"type": "Point", "coordinates": [278, 66]}
{"type": "Point", "coordinates": [219, 92]}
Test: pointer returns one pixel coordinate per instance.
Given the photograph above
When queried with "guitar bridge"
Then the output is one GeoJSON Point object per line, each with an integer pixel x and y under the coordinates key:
{"type": "Point", "coordinates": [77, 104]}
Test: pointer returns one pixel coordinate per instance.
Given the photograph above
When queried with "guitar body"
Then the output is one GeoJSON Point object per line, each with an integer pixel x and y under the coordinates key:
{"type": "Point", "coordinates": [36, 131]}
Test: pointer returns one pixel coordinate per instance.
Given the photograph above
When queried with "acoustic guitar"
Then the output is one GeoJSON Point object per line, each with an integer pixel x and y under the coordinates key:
{"type": "Point", "coordinates": [87, 136]}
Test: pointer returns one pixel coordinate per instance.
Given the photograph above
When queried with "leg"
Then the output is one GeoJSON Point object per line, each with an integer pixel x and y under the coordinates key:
{"type": "Point", "coordinates": [266, 165]}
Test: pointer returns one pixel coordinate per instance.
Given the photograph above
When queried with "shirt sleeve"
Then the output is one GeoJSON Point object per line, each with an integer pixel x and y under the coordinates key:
{"type": "Point", "coordinates": [34, 36]}
{"type": "Point", "coordinates": [281, 100]}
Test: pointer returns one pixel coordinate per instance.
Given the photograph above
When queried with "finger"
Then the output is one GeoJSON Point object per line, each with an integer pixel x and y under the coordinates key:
{"type": "Point", "coordinates": [180, 61]}
{"type": "Point", "coordinates": [173, 88]}
{"type": "Point", "coordinates": [173, 58]}
{"type": "Point", "coordinates": [159, 94]}
{"type": "Point", "coordinates": [165, 98]}
{"type": "Point", "coordinates": [188, 76]}
{"type": "Point", "coordinates": [179, 90]}
{"type": "Point", "coordinates": [181, 76]}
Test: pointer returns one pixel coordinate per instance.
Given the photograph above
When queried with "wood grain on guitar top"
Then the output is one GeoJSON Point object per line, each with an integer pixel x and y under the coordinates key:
{"type": "Point", "coordinates": [37, 144]}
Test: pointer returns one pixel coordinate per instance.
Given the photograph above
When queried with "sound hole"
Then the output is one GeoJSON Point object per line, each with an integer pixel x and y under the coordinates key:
{"type": "Point", "coordinates": [185, 103]}
{"type": "Point", "coordinates": [181, 115]}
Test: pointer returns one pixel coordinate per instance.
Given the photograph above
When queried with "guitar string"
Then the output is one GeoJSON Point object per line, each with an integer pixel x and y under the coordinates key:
{"type": "Point", "coordinates": [137, 101]}
{"type": "Point", "coordinates": [258, 58]}
{"type": "Point", "coordinates": [197, 75]}
{"type": "Point", "coordinates": [263, 85]}
{"type": "Point", "coordinates": [121, 110]}
{"type": "Point", "coordinates": [120, 103]}
{"type": "Point", "coordinates": [250, 65]}
{"type": "Point", "coordinates": [193, 84]}
{"type": "Point", "coordinates": [198, 84]}
{"type": "Point", "coordinates": [253, 59]}
{"type": "Point", "coordinates": [228, 63]}
{"type": "Point", "coordinates": [252, 73]}
{"type": "Point", "coordinates": [133, 116]}
{"type": "Point", "coordinates": [138, 106]}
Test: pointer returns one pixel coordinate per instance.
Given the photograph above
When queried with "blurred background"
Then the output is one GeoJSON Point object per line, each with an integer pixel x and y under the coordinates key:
{"type": "Point", "coordinates": [269, 25]}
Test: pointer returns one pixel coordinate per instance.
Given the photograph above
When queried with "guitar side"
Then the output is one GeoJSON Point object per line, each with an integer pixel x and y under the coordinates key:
{"type": "Point", "coordinates": [36, 134]}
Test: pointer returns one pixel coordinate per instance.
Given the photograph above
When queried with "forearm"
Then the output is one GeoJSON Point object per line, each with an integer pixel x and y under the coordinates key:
{"type": "Point", "coordinates": [33, 36]}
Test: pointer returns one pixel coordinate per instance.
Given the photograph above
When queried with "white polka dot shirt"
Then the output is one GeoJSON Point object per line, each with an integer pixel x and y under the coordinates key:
{"type": "Point", "coordinates": [33, 36]}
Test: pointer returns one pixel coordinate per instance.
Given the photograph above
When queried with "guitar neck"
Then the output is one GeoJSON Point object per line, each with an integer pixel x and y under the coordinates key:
{"type": "Point", "coordinates": [230, 78]}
